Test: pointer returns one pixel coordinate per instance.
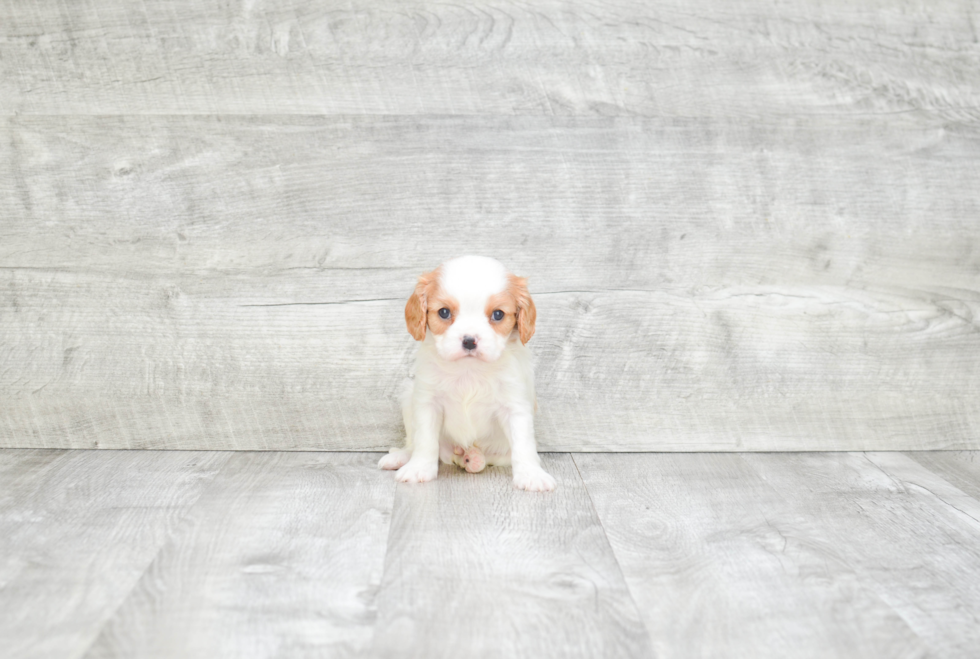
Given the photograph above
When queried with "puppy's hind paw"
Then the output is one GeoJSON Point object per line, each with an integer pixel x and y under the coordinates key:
{"type": "Point", "coordinates": [533, 479]}
{"type": "Point", "coordinates": [417, 471]}
{"type": "Point", "coordinates": [472, 459]}
{"type": "Point", "coordinates": [396, 459]}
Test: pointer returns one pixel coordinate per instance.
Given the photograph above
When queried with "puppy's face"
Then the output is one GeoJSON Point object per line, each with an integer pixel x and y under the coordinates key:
{"type": "Point", "coordinates": [473, 307]}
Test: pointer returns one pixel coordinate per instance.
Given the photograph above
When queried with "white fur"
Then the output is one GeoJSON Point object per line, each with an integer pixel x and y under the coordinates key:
{"type": "Point", "coordinates": [471, 280]}
{"type": "Point", "coordinates": [477, 401]}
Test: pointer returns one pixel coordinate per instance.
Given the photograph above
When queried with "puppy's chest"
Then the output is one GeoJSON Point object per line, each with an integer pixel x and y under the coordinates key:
{"type": "Point", "coordinates": [469, 406]}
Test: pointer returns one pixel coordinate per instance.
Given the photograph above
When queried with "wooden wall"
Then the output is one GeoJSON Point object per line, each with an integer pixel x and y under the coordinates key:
{"type": "Point", "coordinates": [747, 225]}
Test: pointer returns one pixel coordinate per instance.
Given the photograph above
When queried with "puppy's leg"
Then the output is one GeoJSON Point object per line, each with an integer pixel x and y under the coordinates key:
{"type": "Point", "coordinates": [397, 457]}
{"type": "Point", "coordinates": [496, 447]}
{"type": "Point", "coordinates": [448, 451]}
{"type": "Point", "coordinates": [528, 474]}
{"type": "Point", "coordinates": [424, 463]}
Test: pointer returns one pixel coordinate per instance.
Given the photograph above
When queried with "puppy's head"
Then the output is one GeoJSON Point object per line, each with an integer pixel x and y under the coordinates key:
{"type": "Point", "coordinates": [473, 307]}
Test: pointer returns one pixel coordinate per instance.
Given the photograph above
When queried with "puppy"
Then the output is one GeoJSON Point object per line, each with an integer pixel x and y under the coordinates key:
{"type": "Point", "coordinates": [471, 402]}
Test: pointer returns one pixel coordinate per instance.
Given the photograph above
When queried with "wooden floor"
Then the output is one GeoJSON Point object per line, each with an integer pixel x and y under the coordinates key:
{"type": "Point", "coordinates": [240, 554]}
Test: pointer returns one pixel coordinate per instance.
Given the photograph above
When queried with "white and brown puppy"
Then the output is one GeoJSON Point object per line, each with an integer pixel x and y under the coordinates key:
{"type": "Point", "coordinates": [471, 402]}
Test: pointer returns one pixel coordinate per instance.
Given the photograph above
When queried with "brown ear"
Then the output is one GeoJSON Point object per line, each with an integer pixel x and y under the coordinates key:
{"type": "Point", "coordinates": [417, 307]}
{"type": "Point", "coordinates": [526, 313]}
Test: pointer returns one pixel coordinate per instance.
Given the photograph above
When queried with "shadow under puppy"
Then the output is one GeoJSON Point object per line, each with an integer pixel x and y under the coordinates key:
{"type": "Point", "coordinates": [471, 402]}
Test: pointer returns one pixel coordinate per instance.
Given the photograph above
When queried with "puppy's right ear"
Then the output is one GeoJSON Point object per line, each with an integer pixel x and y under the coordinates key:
{"type": "Point", "coordinates": [417, 307]}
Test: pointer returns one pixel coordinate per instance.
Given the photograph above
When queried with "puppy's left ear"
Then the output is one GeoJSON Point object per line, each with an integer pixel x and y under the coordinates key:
{"type": "Point", "coordinates": [526, 313]}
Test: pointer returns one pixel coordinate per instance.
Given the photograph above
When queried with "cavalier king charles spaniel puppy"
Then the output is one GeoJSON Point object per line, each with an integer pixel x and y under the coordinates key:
{"type": "Point", "coordinates": [471, 402]}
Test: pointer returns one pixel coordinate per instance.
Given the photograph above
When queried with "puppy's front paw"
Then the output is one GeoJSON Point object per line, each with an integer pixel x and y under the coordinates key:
{"type": "Point", "coordinates": [395, 459]}
{"type": "Point", "coordinates": [417, 471]}
{"type": "Point", "coordinates": [533, 479]}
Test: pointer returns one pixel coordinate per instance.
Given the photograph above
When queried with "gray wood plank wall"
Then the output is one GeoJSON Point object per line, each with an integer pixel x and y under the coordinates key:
{"type": "Point", "coordinates": [746, 227]}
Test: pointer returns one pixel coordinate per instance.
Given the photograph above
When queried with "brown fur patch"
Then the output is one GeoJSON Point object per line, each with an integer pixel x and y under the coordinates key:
{"type": "Point", "coordinates": [423, 304]}
{"type": "Point", "coordinates": [415, 307]}
{"type": "Point", "coordinates": [527, 314]}
{"type": "Point", "coordinates": [507, 303]}
{"type": "Point", "coordinates": [438, 299]}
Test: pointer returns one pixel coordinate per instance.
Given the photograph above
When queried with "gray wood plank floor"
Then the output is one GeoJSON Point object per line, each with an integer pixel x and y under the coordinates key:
{"type": "Point", "coordinates": [474, 564]}
{"type": "Point", "coordinates": [278, 558]}
{"type": "Point", "coordinates": [210, 554]}
{"type": "Point", "coordinates": [77, 533]}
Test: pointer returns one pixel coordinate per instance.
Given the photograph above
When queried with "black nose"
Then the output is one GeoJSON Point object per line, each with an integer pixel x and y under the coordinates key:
{"type": "Point", "coordinates": [469, 343]}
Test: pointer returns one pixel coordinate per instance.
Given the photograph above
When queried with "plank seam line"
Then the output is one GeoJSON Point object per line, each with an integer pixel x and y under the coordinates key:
{"type": "Point", "coordinates": [938, 111]}
{"type": "Point", "coordinates": [384, 564]}
{"type": "Point", "coordinates": [907, 484]}
{"type": "Point", "coordinates": [398, 299]}
{"type": "Point", "coordinates": [595, 511]}
{"type": "Point", "coordinates": [957, 509]}
{"type": "Point", "coordinates": [314, 304]}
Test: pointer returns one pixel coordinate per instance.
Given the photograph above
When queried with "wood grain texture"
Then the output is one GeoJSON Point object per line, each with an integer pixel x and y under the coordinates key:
{"type": "Point", "coordinates": [722, 564]}
{"type": "Point", "coordinates": [959, 468]}
{"type": "Point", "coordinates": [626, 57]}
{"type": "Point", "coordinates": [589, 203]}
{"type": "Point", "coordinates": [282, 556]}
{"type": "Point", "coordinates": [916, 478]}
{"type": "Point", "coordinates": [191, 554]}
{"type": "Point", "coordinates": [476, 568]}
{"type": "Point", "coordinates": [905, 531]}
{"type": "Point", "coordinates": [77, 530]}
{"type": "Point", "coordinates": [702, 284]}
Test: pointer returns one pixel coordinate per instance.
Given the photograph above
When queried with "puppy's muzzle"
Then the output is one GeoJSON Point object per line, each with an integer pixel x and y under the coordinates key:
{"type": "Point", "coordinates": [469, 343]}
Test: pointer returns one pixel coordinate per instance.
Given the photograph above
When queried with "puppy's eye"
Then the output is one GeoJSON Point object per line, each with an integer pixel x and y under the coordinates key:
{"type": "Point", "coordinates": [444, 313]}
{"type": "Point", "coordinates": [498, 315]}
